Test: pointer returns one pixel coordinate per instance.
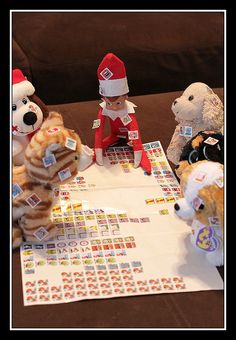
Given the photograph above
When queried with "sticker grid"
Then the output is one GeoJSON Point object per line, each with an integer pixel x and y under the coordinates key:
{"type": "Point", "coordinates": [90, 256]}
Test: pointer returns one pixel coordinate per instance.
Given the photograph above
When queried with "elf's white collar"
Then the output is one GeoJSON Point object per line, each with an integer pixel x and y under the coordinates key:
{"type": "Point", "coordinates": [128, 108]}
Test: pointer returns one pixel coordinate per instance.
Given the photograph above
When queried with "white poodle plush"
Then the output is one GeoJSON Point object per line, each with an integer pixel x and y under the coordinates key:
{"type": "Point", "coordinates": [202, 206]}
{"type": "Point", "coordinates": [198, 109]}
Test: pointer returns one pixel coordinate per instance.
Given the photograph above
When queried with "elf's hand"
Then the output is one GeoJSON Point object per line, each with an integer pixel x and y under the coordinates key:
{"type": "Point", "coordinates": [99, 157]}
{"type": "Point", "coordinates": [137, 158]}
{"type": "Point", "coordinates": [86, 158]}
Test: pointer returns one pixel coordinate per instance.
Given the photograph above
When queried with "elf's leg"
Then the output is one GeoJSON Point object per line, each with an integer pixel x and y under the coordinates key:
{"type": "Point", "coordinates": [107, 141]}
{"type": "Point", "coordinates": [145, 163]}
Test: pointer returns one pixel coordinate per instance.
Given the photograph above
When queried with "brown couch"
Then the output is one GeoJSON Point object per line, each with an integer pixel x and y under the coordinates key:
{"type": "Point", "coordinates": [164, 53]}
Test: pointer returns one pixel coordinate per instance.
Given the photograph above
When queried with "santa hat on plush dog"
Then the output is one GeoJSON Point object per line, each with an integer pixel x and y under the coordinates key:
{"type": "Point", "coordinates": [21, 87]}
{"type": "Point", "coordinates": [112, 77]}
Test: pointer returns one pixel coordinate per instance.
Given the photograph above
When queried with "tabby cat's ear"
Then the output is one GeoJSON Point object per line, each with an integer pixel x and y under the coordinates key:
{"type": "Point", "coordinates": [54, 119]}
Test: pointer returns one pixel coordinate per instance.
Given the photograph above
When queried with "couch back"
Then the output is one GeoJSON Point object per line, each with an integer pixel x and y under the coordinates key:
{"type": "Point", "coordinates": [163, 51]}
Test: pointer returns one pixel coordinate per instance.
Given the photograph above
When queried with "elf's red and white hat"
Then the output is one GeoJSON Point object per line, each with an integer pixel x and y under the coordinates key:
{"type": "Point", "coordinates": [112, 77]}
{"type": "Point", "coordinates": [21, 87]}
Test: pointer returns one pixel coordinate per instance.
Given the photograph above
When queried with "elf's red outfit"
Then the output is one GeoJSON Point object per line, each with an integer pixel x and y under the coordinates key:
{"type": "Point", "coordinates": [123, 123]}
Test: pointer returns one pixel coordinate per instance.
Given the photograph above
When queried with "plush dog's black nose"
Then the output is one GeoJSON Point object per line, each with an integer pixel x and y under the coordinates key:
{"type": "Point", "coordinates": [174, 102]}
{"type": "Point", "coordinates": [30, 118]}
{"type": "Point", "coordinates": [176, 206]}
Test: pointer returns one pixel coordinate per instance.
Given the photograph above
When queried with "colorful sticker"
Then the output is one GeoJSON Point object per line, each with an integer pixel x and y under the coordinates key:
{"type": "Point", "coordinates": [106, 73]}
{"type": "Point", "coordinates": [41, 233]}
{"type": "Point", "coordinates": [16, 190]}
{"type": "Point", "coordinates": [211, 141]}
{"type": "Point", "coordinates": [33, 200]}
{"type": "Point", "coordinates": [49, 160]}
{"type": "Point", "coordinates": [220, 182]}
{"type": "Point", "coordinates": [126, 120]}
{"type": "Point", "coordinates": [133, 135]}
{"type": "Point", "coordinates": [200, 176]}
{"type": "Point", "coordinates": [64, 174]}
{"type": "Point", "coordinates": [96, 123]}
{"type": "Point", "coordinates": [70, 143]}
{"type": "Point", "coordinates": [53, 130]}
{"type": "Point", "coordinates": [185, 131]}
{"type": "Point", "coordinates": [150, 201]}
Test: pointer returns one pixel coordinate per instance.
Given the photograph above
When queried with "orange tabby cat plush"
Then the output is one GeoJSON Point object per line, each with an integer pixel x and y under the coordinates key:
{"type": "Point", "coordinates": [51, 158]}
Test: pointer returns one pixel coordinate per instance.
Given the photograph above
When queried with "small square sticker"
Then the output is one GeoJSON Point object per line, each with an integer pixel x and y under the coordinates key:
{"type": "Point", "coordinates": [49, 160]}
{"type": "Point", "coordinates": [126, 120]}
{"type": "Point", "coordinates": [133, 135]}
{"type": "Point", "coordinates": [64, 174]}
{"type": "Point", "coordinates": [96, 123]}
{"type": "Point", "coordinates": [186, 131]}
{"type": "Point", "coordinates": [41, 233]}
{"type": "Point", "coordinates": [200, 177]}
{"type": "Point", "coordinates": [211, 141]}
{"type": "Point", "coordinates": [220, 182]}
{"type": "Point", "coordinates": [106, 73]}
{"type": "Point", "coordinates": [16, 190]}
{"type": "Point", "coordinates": [70, 143]}
{"type": "Point", "coordinates": [53, 130]}
{"type": "Point", "coordinates": [33, 200]}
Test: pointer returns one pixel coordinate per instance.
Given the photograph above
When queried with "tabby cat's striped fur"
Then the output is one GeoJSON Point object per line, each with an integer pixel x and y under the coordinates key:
{"type": "Point", "coordinates": [34, 178]}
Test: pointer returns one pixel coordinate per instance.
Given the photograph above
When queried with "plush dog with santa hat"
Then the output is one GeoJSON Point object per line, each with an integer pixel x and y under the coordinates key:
{"type": "Point", "coordinates": [28, 114]}
{"type": "Point", "coordinates": [113, 87]}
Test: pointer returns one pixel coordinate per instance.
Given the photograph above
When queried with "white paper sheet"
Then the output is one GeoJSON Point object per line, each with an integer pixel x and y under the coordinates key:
{"type": "Point", "coordinates": [117, 236]}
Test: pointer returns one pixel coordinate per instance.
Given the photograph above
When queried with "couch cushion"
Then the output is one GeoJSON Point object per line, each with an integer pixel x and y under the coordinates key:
{"type": "Point", "coordinates": [163, 51]}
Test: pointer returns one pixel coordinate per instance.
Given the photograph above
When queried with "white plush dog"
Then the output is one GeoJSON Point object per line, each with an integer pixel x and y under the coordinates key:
{"type": "Point", "coordinates": [28, 113]}
{"type": "Point", "coordinates": [203, 205]}
{"type": "Point", "coordinates": [198, 109]}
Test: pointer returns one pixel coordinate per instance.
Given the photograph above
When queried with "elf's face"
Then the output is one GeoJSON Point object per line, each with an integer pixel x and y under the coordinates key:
{"type": "Point", "coordinates": [115, 103]}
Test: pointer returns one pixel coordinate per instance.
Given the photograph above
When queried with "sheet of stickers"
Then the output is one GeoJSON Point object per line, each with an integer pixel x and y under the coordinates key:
{"type": "Point", "coordinates": [117, 235]}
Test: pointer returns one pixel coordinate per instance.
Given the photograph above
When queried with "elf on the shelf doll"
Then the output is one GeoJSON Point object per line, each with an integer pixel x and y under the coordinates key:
{"type": "Point", "coordinates": [113, 87]}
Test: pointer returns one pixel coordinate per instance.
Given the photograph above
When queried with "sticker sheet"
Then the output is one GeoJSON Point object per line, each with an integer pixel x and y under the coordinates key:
{"type": "Point", "coordinates": [117, 235]}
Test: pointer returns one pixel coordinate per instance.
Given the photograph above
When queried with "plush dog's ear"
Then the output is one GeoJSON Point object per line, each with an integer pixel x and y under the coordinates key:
{"type": "Point", "coordinates": [180, 168]}
{"type": "Point", "coordinates": [213, 113]}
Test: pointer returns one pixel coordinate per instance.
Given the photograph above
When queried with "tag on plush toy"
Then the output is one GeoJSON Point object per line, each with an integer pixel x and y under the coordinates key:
{"type": "Point", "coordinates": [205, 238]}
